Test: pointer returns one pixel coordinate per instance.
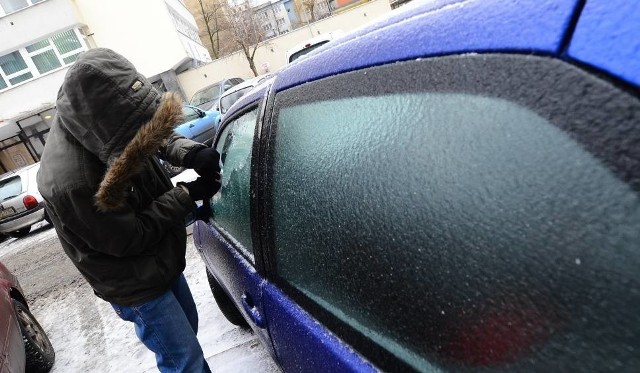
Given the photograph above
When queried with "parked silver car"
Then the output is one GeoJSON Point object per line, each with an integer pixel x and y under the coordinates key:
{"type": "Point", "coordinates": [21, 205]}
{"type": "Point", "coordinates": [229, 97]}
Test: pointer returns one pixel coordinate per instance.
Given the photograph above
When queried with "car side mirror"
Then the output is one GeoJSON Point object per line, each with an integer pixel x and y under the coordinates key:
{"type": "Point", "coordinates": [201, 113]}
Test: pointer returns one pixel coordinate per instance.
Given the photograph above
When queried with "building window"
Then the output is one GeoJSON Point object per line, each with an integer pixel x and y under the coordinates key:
{"type": "Point", "coordinates": [184, 26]}
{"type": "Point", "coordinates": [10, 6]}
{"type": "Point", "coordinates": [14, 68]}
{"type": "Point", "coordinates": [40, 58]}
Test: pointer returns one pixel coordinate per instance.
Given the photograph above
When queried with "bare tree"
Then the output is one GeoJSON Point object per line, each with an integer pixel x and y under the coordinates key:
{"type": "Point", "coordinates": [310, 6]}
{"type": "Point", "coordinates": [247, 32]}
{"type": "Point", "coordinates": [215, 21]}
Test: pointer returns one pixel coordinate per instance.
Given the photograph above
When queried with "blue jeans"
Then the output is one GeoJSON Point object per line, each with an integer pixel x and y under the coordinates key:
{"type": "Point", "coordinates": [167, 325]}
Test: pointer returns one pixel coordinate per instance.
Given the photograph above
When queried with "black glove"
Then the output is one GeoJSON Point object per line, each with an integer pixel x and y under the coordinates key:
{"type": "Point", "coordinates": [203, 187]}
{"type": "Point", "coordinates": [206, 161]}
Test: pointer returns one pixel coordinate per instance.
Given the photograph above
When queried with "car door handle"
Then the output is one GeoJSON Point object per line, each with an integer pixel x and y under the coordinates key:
{"type": "Point", "coordinates": [252, 310]}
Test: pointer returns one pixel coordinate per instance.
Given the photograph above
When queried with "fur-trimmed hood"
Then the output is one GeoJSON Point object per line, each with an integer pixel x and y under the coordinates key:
{"type": "Point", "coordinates": [116, 114]}
{"type": "Point", "coordinates": [146, 142]}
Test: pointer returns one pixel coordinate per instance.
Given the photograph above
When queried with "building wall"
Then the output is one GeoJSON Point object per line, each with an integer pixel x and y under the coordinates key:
{"type": "Point", "coordinates": [28, 98]}
{"type": "Point", "coordinates": [187, 28]}
{"type": "Point", "coordinates": [158, 36]}
{"type": "Point", "coordinates": [36, 22]}
{"type": "Point", "coordinates": [142, 32]}
{"type": "Point", "coordinates": [290, 7]}
{"type": "Point", "coordinates": [19, 30]}
{"type": "Point", "coordinates": [269, 15]}
{"type": "Point", "coordinates": [273, 52]}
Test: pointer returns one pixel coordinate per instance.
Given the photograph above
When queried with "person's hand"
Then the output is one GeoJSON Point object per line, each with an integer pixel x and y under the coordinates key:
{"type": "Point", "coordinates": [202, 188]}
{"type": "Point", "coordinates": [205, 161]}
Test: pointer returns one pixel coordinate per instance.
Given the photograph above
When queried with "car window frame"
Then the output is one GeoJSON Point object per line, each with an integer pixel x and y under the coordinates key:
{"type": "Point", "coordinates": [254, 183]}
{"type": "Point", "coordinates": [377, 354]}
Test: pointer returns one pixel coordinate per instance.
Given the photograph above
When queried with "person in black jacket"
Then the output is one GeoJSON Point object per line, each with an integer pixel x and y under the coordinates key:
{"type": "Point", "coordinates": [118, 216]}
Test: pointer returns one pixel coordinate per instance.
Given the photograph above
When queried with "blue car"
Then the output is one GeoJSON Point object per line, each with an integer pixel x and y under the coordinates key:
{"type": "Point", "coordinates": [199, 125]}
{"type": "Point", "coordinates": [455, 187]}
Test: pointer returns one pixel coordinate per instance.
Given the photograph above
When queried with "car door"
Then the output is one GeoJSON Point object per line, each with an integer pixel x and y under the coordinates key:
{"type": "Point", "coordinates": [227, 239]}
{"type": "Point", "coordinates": [186, 127]}
{"type": "Point", "coordinates": [12, 355]}
{"type": "Point", "coordinates": [201, 127]}
{"type": "Point", "coordinates": [462, 221]}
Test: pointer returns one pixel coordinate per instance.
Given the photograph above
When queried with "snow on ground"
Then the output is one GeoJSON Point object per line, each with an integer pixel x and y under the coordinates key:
{"type": "Point", "coordinates": [89, 337]}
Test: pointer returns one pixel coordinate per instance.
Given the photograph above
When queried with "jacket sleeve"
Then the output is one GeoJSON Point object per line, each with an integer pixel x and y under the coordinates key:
{"type": "Point", "coordinates": [124, 233]}
{"type": "Point", "coordinates": [176, 149]}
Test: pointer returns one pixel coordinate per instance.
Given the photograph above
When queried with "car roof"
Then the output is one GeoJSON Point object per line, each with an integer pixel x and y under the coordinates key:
{"type": "Point", "coordinates": [250, 97]}
{"type": "Point", "coordinates": [19, 171]}
{"type": "Point", "coordinates": [490, 26]}
{"type": "Point", "coordinates": [209, 86]}
{"type": "Point", "coordinates": [247, 83]}
{"type": "Point", "coordinates": [219, 82]}
{"type": "Point", "coordinates": [434, 29]}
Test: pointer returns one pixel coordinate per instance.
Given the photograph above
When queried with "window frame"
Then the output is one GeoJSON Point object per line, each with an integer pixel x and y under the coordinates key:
{"type": "Point", "coordinates": [29, 69]}
{"type": "Point", "coordinates": [31, 66]}
{"type": "Point", "coordinates": [359, 88]}
{"type": "Point", "coordinates": [254, 206]}
{"type": "Point", "coordinates": [30, 3]}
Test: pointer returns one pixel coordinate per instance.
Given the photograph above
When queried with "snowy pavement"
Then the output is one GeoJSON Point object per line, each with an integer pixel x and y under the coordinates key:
{"type": "Point", "coordinates": [85, 331]}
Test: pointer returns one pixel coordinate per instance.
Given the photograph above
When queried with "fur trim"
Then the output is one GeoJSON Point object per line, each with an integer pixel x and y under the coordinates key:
{"type": "Point", "coordinates": [146, 142]}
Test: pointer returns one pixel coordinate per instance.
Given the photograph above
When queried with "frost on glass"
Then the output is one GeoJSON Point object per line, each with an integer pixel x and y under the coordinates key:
{"type": "Point", "coordinates": [231, 205]}
{"type": "Point", "coordinates": [459, 230]}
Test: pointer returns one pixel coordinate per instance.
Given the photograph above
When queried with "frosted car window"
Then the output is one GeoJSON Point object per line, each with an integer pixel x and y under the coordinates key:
{"type": "Point", "coordinates": [441, 226]}
{"type": "Point", "coordinates": [231, 206]}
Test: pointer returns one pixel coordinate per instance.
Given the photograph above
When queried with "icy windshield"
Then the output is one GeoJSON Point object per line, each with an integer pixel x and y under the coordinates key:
{"type": "Point", "coordinates": [205, 95]}
{"type": "Point", "coordinates": [10, 187]}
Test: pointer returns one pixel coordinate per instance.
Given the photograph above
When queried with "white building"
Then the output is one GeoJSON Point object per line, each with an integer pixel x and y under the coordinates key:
{"type": "Point", "coordinates": [42, 38]}
{"type": "Point", "coordinates": [274, 18]}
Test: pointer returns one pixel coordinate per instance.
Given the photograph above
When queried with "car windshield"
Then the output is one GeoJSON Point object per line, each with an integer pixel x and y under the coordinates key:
{"type": "Point", "coordinates": [189, 114]}
{"type": "Point", "coordinates": [10, 187]}
{"type": "Point", "coordinates": [311, 48]}
{"type": "Point", "coordinates": [206, 95]}
{"type": "Point", "coordinates": [230, 99]}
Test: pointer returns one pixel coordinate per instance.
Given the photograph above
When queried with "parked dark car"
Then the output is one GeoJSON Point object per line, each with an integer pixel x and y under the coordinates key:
{"type": "Point", "coordinates": [21, 204]}
{"type": "Point", "coordinates": [207, 97]}
{"type": "Point", "coordinates": [23, 343]}
{"type": "Point", "coordinates": [453, 188]}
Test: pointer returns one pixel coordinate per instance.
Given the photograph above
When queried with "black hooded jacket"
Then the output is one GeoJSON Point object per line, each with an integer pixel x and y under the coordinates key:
{"type": "Point", "coordinates": [118, 217]}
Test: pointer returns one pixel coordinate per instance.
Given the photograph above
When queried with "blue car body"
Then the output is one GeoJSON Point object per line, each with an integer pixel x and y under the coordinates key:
{"type": "Point", "coordinates": [199, 125]}
{"type": "Point", "coordinates": [539, 310]}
